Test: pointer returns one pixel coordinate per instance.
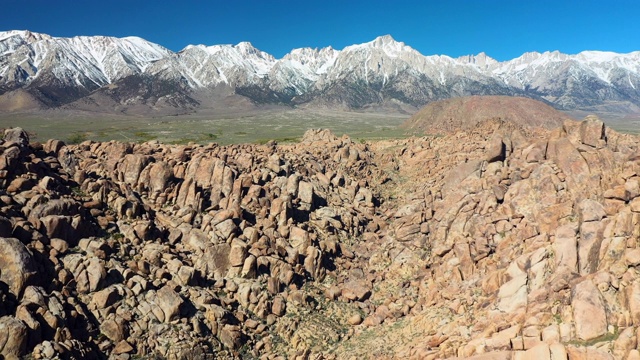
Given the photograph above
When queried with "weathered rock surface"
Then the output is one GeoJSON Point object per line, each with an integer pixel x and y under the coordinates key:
{"type": "Point", "coordinates": [496, 242]}
{"type": "Point", "coordinates": [17, 267]}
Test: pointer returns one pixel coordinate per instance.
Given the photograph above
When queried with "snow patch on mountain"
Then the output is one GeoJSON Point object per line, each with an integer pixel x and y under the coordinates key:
{"type": "Point", "coordinates": [372, 71]}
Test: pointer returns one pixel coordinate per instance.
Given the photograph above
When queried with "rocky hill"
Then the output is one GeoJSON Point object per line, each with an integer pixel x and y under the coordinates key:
{"type": "Point", "coordinates": [449, 115]}
{"type": "Point", "coordinates": [133, 76]}
{"type": "Point", "coordinates": [494, 242]}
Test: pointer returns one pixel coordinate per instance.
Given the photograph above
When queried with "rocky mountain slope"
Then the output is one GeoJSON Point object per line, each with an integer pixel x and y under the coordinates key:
{"type": "Point", "coordinates": [131, 75]}
{"type": "Point", "coordinates": [449, 115]}
{"type": "Point", "coordinates": [494, 242]}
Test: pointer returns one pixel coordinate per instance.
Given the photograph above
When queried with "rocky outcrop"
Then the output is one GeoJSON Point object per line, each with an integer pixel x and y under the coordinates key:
{"type": "Point", "coordinates": [498, 241]}
{"type": "Point", "coordinates": [451, 115]}
{"type": "Point", "coordinates": [525, 244]}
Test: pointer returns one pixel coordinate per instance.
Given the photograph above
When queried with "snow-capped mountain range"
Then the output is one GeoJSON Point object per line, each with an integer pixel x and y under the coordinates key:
{"type": "Point", "coordinates": [125, 74]}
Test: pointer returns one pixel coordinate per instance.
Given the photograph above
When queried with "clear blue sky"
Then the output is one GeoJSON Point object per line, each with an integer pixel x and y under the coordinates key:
{"type": "Point", "coordinates": [503, 29]}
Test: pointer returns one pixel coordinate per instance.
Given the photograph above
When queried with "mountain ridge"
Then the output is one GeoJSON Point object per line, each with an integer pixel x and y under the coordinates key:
{"type": "Point", "coordinates": [59, 72]}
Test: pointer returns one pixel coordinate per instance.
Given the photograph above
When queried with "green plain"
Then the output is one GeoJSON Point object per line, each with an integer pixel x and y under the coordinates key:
{"type": "Point", "coordinates": [254, 127]}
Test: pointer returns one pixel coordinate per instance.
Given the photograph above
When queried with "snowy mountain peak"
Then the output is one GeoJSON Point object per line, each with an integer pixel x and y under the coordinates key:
{"type": "Point", "coordinates": [63, 70]}
{"type": "Point", "coordinates": [26, 35]}
{"type": "Point", "coordinates": [314, 59]}
{"type": "Point", "coordinates": [482, 60]}
{"type": "Point", "coordinates": [385, 39]}
{"type": "Point", "coordinates": [385, 43]}
{"type": "Point", "coordinates": [389, 45]}
{"type": "Point", "coordinates": [247, 49]}
{"type": "Point", "coordinates": [312, 52]}
{"type": "Point", "coordinates": [604, 56]}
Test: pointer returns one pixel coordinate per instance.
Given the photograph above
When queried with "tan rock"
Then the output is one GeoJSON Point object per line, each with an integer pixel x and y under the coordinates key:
{"type": "Point", "coordinates": [17, 267]}
{"type": "Point", "coordinates": [497, 355]}
{"type": "Point", "coordinates": [540, 351]}
{"type": "Point", "coordinates": [625, 342]}
{"type": "Point", "coordinates": [159, 175]}
{"type": "Point", "coordinates": [230, 336]}
{"type": "Point", "coordinates": [185, 275]}
{"type": "Point", "coordinates": [632, 189]}
{"type": "Point", "coordinates": [34, 295]}
{"type": "Point", "coordinates": [565, 248]}
{"type": "Point", "coordinates": [617, 193]}
{"type": "Point", "coordinates": [591, 210]}
{"type": "Point", "coordinates": [60, 245]}
{"type": "Point", "coordinates": [226, 228]}
{"type": "Point", "coordinates": [104, 298]}
{"type": "Point", "coordinates": [279, 306]}
{"type": "Point", "coordinates": [405, 233]}
{"type": "Point", "coordinates": [313, 262]}
{"type": "Point", "coordinates": [355, 319]}
{"type": "Point", "coordinates": [299, 239]}
{"type": "Point", "coordinates": [122, 347]}
{"type": "Point", "coordinates": [96, 272]}
{"type": "Point", "coordinates": [632, 257]}
{"type": "Point", "coordinates": [512, 295]}
{"type": "Point", "coordinates": [591, 131]}
{"type": "Point", "coordinates": [355, 290]}
{"type": "Point", "coordinates": [112, 329]}
{"type": "Point", "coordinates": [633, 299]}
{"type": "Point", "coordinates": [131, 167]}
{"type": "Point", "coordinates": [169, 301]}
{"type": "Point", "coordinates": [531, 342]}
{"type": "Point", "coordinates": [372, 320]}
{"type": "Point", "coordinates": [551, 334]}
{"type": "Point", "coordinates": [558, 352]}
{"type": "Point", "coordinates": [572, 164]}
{"type": "Point", "coordinates": [588, 353]}
{"type": "Point", "coordinates": [496, 150]}
{"type": "Point", "coordinates": [588, 311]}
{"type": "Point", "coordinates": [13, 337]}
{"type": "Point", "coordinates": [305, 192]}
{"type": "Point", "coordinates": [238, 253]}
{"type": "Point", "coordinates": [589, 246]}
{"type": "Point", "coordinates": [461, 172]}
{"type": "Point", "coordinates": [249, 267]}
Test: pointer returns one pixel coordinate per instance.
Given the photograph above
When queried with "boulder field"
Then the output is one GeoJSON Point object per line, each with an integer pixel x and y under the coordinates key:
{"type": "Point", "coordinates": [499, 241]}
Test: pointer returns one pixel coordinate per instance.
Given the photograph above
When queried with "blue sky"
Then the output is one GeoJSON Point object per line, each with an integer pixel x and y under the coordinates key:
{"type": "Point", "coordinates": [502, 29]}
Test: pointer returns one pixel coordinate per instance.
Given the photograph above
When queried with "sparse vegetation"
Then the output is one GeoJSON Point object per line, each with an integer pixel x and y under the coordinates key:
{"type": "Point", "coordinates": [283, 126]}
{"type": "Point", "coordinates": [611, 336]}
{"type": "Point", "coordinates": [77, 137]}
{"type": "Point", "coordinates": [279, 140]}
{"type": "Point", "coordinates": [144, 136]}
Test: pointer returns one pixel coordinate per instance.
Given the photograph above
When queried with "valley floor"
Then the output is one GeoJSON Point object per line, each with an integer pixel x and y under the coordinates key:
{"type": "Point", "coordinates": [234, 127]}
{"type": "Point", "coordinates": [223, 128]}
